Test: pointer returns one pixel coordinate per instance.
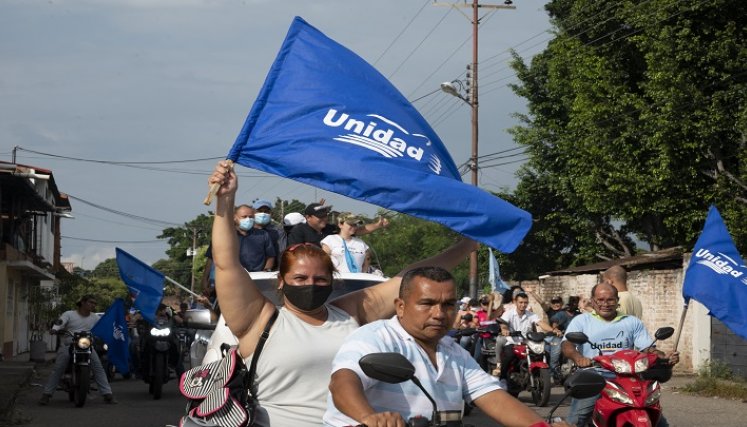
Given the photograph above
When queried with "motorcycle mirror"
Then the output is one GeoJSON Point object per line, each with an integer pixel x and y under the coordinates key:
{"type": "Point", "coordinates": [584, 383]}
{"type": "Point", "coordinates": [536, 336]}
{"type": "Point", "coordinates": [577, 337]}
{"type": "Point", "coordinates": [581, 384]}
{"type": "Point", "coordinates": [392, 368]}
{"type": "Point", "coordinates": [664, 333]}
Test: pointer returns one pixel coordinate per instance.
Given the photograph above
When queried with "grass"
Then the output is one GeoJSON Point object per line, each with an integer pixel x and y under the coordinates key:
{"type": "Point", "coordinates": [716, 379]}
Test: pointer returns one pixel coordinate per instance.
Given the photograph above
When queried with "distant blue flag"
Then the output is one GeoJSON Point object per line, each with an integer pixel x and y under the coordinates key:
{"type": "Point", "coordinates": [145, 284]}
{"type": "Point", "coordinates": [494, 274]}
{"type": "Point", "coordinates": [327, 118]}
{"type": "Point", "coordinates": [717, 275]}
{"type": "Point", "coordinates": [112, 329]}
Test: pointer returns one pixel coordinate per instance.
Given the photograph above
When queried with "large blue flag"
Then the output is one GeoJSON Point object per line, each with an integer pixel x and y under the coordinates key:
{"type": "Point", "coordinates": [112, 329]}
{"type": "Point", "coordinates": [717, 275]}
{"type": "Point", "coordinates": [327, 118]}
{"type": "Point", "coordinates": [494, 274]}
{"type": "Point", "coordinates": [145, 284]}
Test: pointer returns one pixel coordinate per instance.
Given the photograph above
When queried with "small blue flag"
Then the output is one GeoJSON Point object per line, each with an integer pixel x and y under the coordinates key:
{"type": "Point", "coordinates": [327, 118]}
{"type": "Point", "coordinates": [494, 274]}
{"type": "Point", "coordinates": [144, 282]}
{"type": "Point", "coordinates": [717, 276]}
{"type": "Point", "coordinates": [112, 329]}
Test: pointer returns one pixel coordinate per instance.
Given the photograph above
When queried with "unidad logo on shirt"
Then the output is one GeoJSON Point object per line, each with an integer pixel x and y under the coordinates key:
{"type": "Point", "coordinates": [382, 136]}
{"type": "Point", "coordinates": [721, 263]}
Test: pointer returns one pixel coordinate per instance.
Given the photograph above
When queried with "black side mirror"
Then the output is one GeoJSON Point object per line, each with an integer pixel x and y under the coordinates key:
{"type": "Point", "coordinates": [536, 336]}
{"type": "Point", "coordinates": [577, 337]}
{"type": "Point", "coordinates": [664, 333]}
{"type": "Point", "coordinates": [392, 368]}
{"type": "Point", "coordinates": [584, 383]}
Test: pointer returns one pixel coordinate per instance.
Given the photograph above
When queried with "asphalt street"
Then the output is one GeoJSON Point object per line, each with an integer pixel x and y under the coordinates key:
{"type": "Point", "coordinates": [137, 408]}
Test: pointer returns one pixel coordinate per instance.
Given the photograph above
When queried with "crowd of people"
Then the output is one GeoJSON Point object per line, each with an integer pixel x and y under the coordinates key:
{"type": "Point", "coordinates": [411, 313]}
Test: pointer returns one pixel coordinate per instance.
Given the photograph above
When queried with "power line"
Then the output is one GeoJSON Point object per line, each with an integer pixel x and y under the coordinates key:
{"type": "Point", "coordinates": [401, 32]}
{"type": "Point", "coordinates": [113, 241]}
{"type": "Point", "coordinates": [125, 214]}
{"type": "Point", "coordinates": [112, 162]}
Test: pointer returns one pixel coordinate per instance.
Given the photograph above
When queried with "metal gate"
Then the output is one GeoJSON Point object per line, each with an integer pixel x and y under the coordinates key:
{"type": "Point", "coordinates": [728, 348]}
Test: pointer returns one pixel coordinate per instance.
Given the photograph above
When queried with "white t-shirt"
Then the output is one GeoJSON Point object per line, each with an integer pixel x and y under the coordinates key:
{"type": "Point", "coordinates": [356, 247]}
{"type": "Point", "coordinates": [72, 321]}
{"type": "Point", "coordinates": [521, 323]}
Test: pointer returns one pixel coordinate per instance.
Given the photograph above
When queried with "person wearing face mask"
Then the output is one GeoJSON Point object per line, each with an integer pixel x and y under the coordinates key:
{"type": "Point", "coordinates": [294, 367]}
{"type": "Point", "coordinates": [263, 221]}
{"type": "Point", "coordinates": [255, 249]}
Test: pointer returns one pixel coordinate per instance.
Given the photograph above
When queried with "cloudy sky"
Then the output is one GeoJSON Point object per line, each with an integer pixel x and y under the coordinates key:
{"type": "Point", "coordinates": [172, 81]}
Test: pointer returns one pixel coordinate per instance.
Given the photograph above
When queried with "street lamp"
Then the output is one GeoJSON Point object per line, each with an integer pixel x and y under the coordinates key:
{"type": "Point", "coordinates": [455, 88]}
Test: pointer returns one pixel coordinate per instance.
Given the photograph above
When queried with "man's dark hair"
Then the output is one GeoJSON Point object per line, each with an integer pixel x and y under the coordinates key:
{"type": "Point", "coordinates": [437, 274]}
{"type": "Point", "coordinates": [85, 298]}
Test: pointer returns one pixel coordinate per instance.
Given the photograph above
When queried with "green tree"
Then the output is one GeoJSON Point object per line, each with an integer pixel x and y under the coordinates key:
{"type": "Point", "coordinates": [408, 239]}
{"type": "Point", "coordinates": [178, 266]}
{"type": "Point", "coordinates": [637, 116]}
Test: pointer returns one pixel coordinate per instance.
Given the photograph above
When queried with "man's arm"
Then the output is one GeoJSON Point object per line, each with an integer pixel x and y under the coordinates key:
{"type": "Point", "coordinates": [377, 302]}
{"type": "Point", "coordinates": [349, 398]}
{"type": "Point", "coordinates": [569, 351]}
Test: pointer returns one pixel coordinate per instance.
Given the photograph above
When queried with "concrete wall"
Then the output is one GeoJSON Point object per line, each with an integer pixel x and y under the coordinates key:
{"type": "Point", "coordinates": [660, 292]}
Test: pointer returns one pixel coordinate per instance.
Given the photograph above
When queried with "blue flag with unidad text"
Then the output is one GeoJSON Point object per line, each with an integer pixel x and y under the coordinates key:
{"type": "Point", "coordinates": [144, 282]}
{"type": "Point", "coordinates": [112, 329]}
{"type": "Point", "coordinates": [717, 276]}
{"type": "Point", "coordinates": [327, 118]}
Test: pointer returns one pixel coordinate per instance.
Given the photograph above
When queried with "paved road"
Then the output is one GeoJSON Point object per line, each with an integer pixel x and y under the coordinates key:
{"type": "Point", "coordinates": [137, 408]}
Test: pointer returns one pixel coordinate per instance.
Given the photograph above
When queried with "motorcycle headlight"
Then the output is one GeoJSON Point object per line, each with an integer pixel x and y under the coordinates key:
{"type": "Point", "coordinates": [160, 332]}
{"type": "Point", "coordinates": [536, 347]}
{"type": "Point", "coordinates": [654, 393]}
{"type": "Point", "coordinates": [641, 364]}
{"type": "Point", "coordinates": [106, 347]}
{"type": "Point", "coordinates": [84, 343]}
{"type": "Point", "coordinates": [618, 395]}
{"type": "Point", "coordinates": [622, 366]}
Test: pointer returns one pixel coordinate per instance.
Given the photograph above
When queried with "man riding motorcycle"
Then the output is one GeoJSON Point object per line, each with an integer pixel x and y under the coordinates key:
{"type": "Point", "coordinates": [607, 331]}
{"type": "Point", "coordinates": [81, 319]}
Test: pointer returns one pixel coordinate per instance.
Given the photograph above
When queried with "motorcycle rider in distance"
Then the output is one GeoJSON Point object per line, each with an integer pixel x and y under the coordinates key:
{"type": "Point", "coordinates": [605, 325]}
{"type": "Point", "coordinates": [520, 320]}
{"type": "Point", "coordinates": [81, 319]}
{"type": "Point", "coordinates": [425, 310]}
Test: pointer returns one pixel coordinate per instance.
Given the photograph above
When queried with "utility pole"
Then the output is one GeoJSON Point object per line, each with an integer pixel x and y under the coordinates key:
{"type": "Point", "coordinates": [474, 103]}
{"type": "Point", "coordinates": [193, 253]}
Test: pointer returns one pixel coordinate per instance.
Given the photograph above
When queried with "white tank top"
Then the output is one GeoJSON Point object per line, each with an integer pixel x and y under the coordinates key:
{"type": "Point", "coordinates": [294, 367]}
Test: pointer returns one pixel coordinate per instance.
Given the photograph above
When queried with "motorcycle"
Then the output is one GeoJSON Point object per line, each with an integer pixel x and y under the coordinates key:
{"type": "Point", "coordinates": [157, 352]}
{"type": "Point", "coordinates": [631, 398]}
{"type": "Point", "coordinates": [394, 368]}
{"type": "Point", "coordinates": [529, 370]}
{"type": "Point", "coordinates": [77, 378]}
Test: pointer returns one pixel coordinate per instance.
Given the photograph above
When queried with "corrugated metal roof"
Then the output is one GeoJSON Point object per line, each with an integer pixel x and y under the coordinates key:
{"type": "Point", "coordinates": [665, 258]}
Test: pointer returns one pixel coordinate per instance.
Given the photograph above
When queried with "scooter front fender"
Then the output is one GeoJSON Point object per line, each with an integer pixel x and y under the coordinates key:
{"type": "Point", "coordinates": [533, 366]}
{"type": "Point", "coordinates": [633, 417]}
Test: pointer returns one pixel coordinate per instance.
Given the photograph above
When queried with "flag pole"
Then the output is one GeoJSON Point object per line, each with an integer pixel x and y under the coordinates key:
{"type": "Point", "coordinates": [679, 329]}
{"type": "Point", "coordinates": [179, 285]}
{"type": "Point", "coordinates": [215, 187]}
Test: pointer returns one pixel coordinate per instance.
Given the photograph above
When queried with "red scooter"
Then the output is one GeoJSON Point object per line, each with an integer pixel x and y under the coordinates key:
{"type": "Point", "coordinates": [529, 369]}
{"type": "Point", "coordinates": [631, 399]}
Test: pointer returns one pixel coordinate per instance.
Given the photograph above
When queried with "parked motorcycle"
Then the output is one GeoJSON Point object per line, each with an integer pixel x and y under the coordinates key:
{"type": "Point", "coordinates": [77, 378]}
{"type": "Point", "coordinates": [529, 370]}
{"type": "Point", "coordinates": [631, 398]}
{"type": "Point", "coordinates": [394, 368]}
{"type": "Point", "coordinates": [158, 350]}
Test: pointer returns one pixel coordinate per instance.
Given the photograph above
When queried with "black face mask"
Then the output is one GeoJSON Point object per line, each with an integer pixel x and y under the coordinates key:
{"type": "Point", "coordinates": [307, 297]}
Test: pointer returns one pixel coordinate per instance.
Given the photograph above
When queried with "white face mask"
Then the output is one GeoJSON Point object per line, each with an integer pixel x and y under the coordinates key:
{"type": "Point", "coordinates": [262, 218]}
{"type": "Point", "coordinates": [246, 223]}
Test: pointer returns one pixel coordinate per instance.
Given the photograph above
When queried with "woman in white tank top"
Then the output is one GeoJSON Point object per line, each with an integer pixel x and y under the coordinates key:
{"type": "Point", "coordinates": [294, 367]}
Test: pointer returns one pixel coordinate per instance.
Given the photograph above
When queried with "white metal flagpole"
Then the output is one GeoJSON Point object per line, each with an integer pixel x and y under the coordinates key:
{"type": "Point", "coordinates": [179, 285]}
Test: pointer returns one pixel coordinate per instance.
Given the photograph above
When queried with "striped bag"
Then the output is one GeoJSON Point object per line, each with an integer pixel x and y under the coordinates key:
{"type": "Point", "coordinates": [223, 393]}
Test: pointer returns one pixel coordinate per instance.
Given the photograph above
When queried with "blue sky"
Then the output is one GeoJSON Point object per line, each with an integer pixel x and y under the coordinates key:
{"type": "Point", "coordinates": [161, 80]}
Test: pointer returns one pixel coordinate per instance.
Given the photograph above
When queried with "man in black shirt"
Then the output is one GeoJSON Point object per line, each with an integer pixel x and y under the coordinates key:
{"type": "Point", "coordinates": [312, 231]}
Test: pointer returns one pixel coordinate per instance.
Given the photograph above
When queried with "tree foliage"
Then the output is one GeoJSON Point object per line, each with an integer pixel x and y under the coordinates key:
{"type": "Point", "coordinates": [636, 124]}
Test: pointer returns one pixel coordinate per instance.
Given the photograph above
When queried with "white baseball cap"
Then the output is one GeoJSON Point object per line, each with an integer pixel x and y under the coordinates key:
{"type": "Point", "coordinates": [293, 218]}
